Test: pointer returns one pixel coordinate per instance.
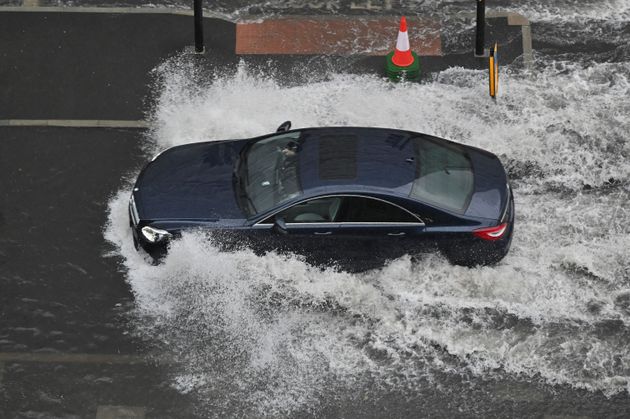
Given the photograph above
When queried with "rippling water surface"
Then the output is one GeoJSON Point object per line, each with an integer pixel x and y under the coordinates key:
{"type": "Point", "coordinates": [273, 334]}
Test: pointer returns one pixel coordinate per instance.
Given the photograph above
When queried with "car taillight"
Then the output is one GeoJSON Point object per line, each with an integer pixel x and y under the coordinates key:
{"type": "Point", "coordinates": [491, 233]}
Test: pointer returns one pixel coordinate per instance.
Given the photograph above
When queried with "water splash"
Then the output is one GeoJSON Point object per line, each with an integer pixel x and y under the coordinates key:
{"type": "Point", "coordinates": [274, 334]}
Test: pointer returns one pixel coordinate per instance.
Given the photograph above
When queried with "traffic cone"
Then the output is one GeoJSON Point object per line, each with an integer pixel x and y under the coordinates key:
{"type": "Point", "coordinates": [402, 63]}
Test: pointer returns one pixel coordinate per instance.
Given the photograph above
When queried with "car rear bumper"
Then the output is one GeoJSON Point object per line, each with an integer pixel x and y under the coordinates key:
{"type": "Point", "coordinates": [469, 250]}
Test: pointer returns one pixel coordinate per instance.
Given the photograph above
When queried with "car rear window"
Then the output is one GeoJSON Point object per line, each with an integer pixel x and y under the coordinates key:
{"type": "Point", "coordinates": [444, 175]}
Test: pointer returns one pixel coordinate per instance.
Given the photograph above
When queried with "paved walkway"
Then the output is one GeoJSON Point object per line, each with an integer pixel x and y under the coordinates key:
{"type": "Point", "coordinates": [95, 63]}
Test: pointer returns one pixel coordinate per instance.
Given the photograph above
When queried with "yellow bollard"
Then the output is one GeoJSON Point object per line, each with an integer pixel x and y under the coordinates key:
{"type": "Point", "coordinates": [494, 71]}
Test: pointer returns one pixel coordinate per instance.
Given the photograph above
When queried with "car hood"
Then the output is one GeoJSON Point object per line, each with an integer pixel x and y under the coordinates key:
{"type": "Point", "coordinates": [193, 181]}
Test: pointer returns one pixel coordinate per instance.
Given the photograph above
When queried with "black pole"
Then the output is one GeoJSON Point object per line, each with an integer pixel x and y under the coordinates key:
{"type": "Point", "coordinates": [481, 27]}
{"type": "Point", "coordinates": [198, 26]}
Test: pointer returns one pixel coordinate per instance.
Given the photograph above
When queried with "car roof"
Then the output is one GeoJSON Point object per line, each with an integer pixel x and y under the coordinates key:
{"type": "Point", "coordinates": [351, 159]}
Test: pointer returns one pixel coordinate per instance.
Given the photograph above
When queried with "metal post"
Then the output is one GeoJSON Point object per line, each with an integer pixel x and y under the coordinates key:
{"type": "Point", "coordinates": [481, 28]}
{"type": "Point", "coordinates": [198, 26]}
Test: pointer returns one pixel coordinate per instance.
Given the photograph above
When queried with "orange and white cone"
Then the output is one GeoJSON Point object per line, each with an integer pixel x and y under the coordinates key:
{"type": "Point", "coordinates": [402, 55]}
{"type": "Point", "coordinates": [402, 63]}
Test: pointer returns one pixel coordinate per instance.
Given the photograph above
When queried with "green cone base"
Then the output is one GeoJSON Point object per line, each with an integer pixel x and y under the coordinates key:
{"type": "Point", "coordinates": [396, 73]}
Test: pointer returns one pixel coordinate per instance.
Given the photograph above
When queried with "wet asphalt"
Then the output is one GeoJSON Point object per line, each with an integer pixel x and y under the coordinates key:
{"type": "Point", "coordinates": [67, 347]}
{"type": "Point", "coordinates": [64, 302]}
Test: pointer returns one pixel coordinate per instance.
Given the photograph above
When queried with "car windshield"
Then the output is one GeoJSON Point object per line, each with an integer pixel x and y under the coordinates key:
{"type": "Point", "coordinates": [269, 172]}
{"type": "Point", "coordinates": [444, 175]}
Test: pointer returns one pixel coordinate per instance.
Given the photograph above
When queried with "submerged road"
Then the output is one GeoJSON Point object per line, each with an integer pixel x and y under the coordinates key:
{"type": "Point", "coordinates": [67, 342]}
{"type": "Point", "coordinates": [75, 336]}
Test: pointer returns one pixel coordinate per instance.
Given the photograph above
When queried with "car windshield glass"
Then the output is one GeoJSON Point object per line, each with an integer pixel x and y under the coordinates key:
{"type": "Point", "coordinates": [269, 172]}
{"type": "Point", "coordinates": [444, 175]}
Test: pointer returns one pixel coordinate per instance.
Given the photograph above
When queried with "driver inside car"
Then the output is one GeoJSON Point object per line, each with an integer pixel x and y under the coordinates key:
{"type": "Point", "coordinates": [288, 169]}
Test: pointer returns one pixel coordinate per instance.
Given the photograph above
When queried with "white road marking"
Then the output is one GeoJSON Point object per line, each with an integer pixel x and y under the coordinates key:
{"type": "Point", "coordinates": [514, 19]}
{"type": "Point", "coordinates": [73, 123]}
{"type": "Point", "coordinates": [56, 358]}
{"type": "Point", "coordinates": [120, 412]}
{"type": "Point", "coordinates": [518, 392]}
{"type": "Point", "coordinates": [528, 55]}
{"type": "Point", "coordinates": [367, 5]}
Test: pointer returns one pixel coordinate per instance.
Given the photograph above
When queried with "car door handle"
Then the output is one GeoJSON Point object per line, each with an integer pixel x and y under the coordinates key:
{"type": "Point", "coordinates": [323, 233]}
{"type": "Point", "coordinates": [402, 233]}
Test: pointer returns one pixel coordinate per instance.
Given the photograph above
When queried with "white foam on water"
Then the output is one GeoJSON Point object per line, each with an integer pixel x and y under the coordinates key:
{"type": "Point", "coordinates": [574, 11]}
{"type": "Point", "coordinates": [278, 333]}
{"type": "Point", "coordinates": [556, 11]}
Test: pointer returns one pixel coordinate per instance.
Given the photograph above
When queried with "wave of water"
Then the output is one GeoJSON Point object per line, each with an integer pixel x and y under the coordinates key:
{"type": "Point", "coordinates": [272, 334]}
{"type": "Point", "coordinates": [558, 11]}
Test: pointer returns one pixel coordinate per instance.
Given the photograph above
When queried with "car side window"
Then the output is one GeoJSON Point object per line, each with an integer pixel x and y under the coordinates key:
{"type": "Point", "coordinates": [368, 210]}
{"type": "Point", "coordinates": [319, 210]}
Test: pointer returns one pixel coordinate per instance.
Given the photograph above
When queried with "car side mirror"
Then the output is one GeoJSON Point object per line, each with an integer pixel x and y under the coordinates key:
{"type": "Point", "coordinates": [285, 126]}
{"type": "Point", "coordinates": [280, 226]}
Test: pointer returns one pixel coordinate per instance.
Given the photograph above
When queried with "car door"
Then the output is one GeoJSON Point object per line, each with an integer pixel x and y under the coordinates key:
{"type": "Point", "coordinates": [307, 228]}
{"type": "Point", "coordinates": [373, 231]}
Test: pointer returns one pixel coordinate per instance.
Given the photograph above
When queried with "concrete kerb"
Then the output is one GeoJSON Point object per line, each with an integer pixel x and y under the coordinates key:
{"type": "Point", "coordinates": [111, 10]}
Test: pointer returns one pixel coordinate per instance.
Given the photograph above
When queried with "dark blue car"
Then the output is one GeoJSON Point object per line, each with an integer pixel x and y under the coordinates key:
{"type": "Point", "coordinates": [354, 197]}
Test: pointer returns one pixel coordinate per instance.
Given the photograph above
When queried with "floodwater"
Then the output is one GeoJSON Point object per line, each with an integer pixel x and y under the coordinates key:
{"type": "Point", "coordinates": [272, 335]}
